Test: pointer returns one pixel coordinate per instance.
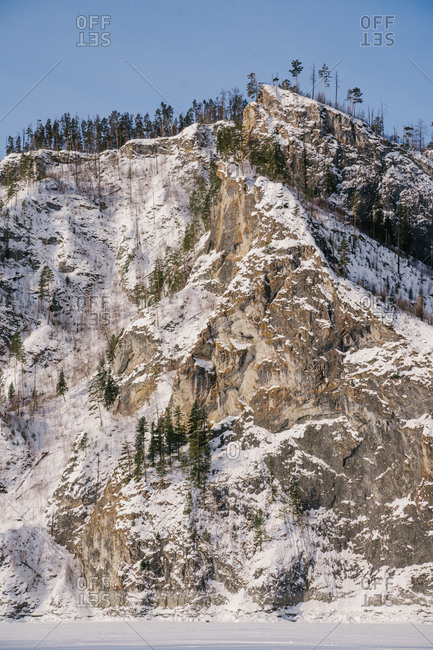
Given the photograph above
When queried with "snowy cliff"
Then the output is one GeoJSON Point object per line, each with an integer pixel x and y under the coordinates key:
{"type": "Point", "coordinates": [315, 381]}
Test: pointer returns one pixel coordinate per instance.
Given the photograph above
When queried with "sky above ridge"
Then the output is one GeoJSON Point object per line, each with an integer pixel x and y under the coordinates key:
{"type": "Point", "coordinates": [90, 57]}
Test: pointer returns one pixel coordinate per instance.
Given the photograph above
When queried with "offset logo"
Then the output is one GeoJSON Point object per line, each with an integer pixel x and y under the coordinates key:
{"type": "Point", "coordinates": [233, 450]}
{"type": "Point", "coordinates": [99, 592]}
{"type": "Point", "coordinates": [92, 31]}
{"type": "Point", "coordinates": [383, 311]}
{"type": "Point", "coordinates": [377, 592]}
{"type": "Point", "coordinates": [376, 31]}
{"type": "Point", "coordinates": [95, 311]}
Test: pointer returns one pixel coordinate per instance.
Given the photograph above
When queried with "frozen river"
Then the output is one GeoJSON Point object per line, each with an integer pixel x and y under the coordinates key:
{"type": "Point", "coordinates": [165, 635]}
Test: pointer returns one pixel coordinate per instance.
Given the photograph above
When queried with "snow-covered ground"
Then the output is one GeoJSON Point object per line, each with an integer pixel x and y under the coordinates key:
{"type": "Point", "coordinates": [241, 635]}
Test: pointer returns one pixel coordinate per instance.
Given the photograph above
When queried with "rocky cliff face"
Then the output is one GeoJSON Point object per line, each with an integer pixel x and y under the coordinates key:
{"type": "Point", "coordinates": [330, 154]}
{"type": "Point", "coordinates": [320, 483]}
{"type": "Point", "coordinates": [284, 366]}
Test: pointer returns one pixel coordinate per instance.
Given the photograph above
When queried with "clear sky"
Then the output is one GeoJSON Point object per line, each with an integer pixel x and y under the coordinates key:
{"type": "Point", "coordinates": [193, 48]}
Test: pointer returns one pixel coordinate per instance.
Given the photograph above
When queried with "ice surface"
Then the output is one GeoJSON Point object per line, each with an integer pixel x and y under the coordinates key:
{"type": "Point", "coordinates": [237, 635]}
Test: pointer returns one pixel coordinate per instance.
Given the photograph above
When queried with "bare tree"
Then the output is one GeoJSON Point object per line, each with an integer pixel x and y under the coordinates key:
{"type": "Point", "coordinates": [313, 80]}
{"type": "Point", "coordinates": [419, 135]}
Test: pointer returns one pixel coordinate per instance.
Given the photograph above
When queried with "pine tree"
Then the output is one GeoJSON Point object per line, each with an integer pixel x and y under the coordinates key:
{"type": "Point", "coordinates": [199, 449]}
{"type": "Point", "coordinates": [325, 75]}
{"type": "Point", "coordinates": [161, 467]}
{"type": "Point", "coordinates": [169, 435]}
{"type": "Point", "coordinates": [11, 392]}
{"type": "Point", "coordinates": [18, 352]}
{"type": "Point", "coordinates": [125, 462]}
{"type": "Point", "coordinates": [44, 287]}
{"type": "Point", "coordinates": [15, 350]}
{"type": "Point", "coordinates": [111, 346]}
{"type": "Point", "coordinates": [97, 388]}
{"type": "Point", "coordinates": [140, 452]}
{"type": "Point", "coordinates": [27, 167]}
{"type": "Point", "coordinates": [296, 70]}
{"type": "Point", "coordinates": [10, 146]}
{"type": "Point", "coordinates": [252, 86]}
{"type": "Point", "coordinates": [179, 431]}
{"type": "Point", "coordinates": [139, 127]}
{"type": "Point", "coordinates": [96, 135]}
{"type": "Point", "coordinates": [305, 164]}
{"type": "Point", "coordinates": [111, 390]}
{"type": "Point", "coordinates": [229, 142]}
{"type": "Point", "coordinates": [61, 388]}
{"type": "Point", "coordinates": [160, 447]}
{"type": "Point", "coordinates": [407, 136]}
{"type": "Point", "coordinates": [258, 522]}
{"type": "Point", "coordinates": [330, 181]}
{"type": "Point", "coordinates": [12, 188]}
{"type": "Point", "coordinates": [153, 446]}
{"type": "Point", "coordinates": [269, 160]}
{"type": "Point", "coordinates": [156, 282]}
{"type": "Point", "coordinates": [356, 98]}
{"type": "Point", "coordinates": [343, 249]}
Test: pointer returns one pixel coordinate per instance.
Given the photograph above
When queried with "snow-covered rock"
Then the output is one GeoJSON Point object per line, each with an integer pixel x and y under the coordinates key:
{"type": "Point", "coordinates": [319, 392]}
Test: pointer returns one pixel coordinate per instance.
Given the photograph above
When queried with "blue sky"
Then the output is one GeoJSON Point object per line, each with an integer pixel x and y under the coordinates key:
{"type": "Point", "coordinates": [192, 49]}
